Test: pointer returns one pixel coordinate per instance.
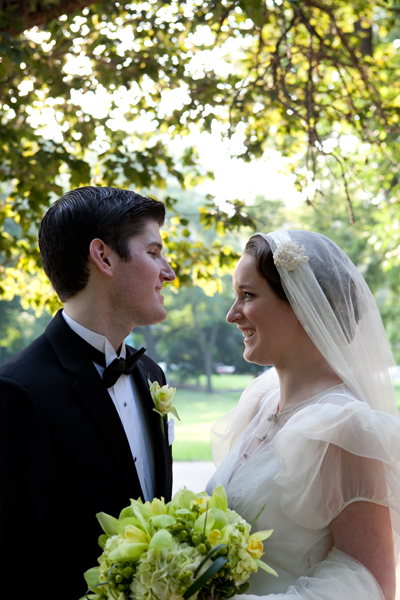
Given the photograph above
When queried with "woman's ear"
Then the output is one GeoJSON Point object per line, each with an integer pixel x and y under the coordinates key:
{"type": "Point", "coordinates": [102, 256]}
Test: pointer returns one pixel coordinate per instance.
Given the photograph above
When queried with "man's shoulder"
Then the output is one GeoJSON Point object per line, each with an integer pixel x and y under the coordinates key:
{"type": "Point", "coordinates": [27, 371]}
{"type": "Point", "coordinates": [33, 354]}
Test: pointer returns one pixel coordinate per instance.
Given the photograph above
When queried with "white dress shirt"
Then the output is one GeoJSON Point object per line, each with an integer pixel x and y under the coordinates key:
{"type": "Point", "coordinates": [126, 400]}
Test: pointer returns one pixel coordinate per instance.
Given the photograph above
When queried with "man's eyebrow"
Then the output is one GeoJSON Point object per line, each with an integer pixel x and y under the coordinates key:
{"type": "Point", "coordinates": [155, 244]}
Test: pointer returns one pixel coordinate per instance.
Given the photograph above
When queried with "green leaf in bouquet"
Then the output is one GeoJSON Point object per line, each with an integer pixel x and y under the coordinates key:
{"type": "Point", "coordinates": [226, 591]}
{"type": "Point", "coordinates": [92, 596]}
{"type": "Point", "coordinates": [102, 540]}
{"type": "Point", "coordinates": [137, 509]}
{"type": "Point", "coordinates": [253, 522]}
{"type": "Point", "coordinates": [157, 506]}
{"type": "Point", "coordinates": [92, 576]}
{"type": "Point", "coordinates": [206, 558]}
{"type": "Point", "coordinates": [135, 535]}
{"type": "Point", "coordinates": [182, 499]}
{"type": "Point", "coordinates": [143, 509]}
{"type": "Point", "coordinates": [242, 589]}
{"type": "Point", "coordinates": [206, 576]}
{"type": "Point", "coordinates": [162, 521]}
{"type": "Point", "coordinates": [92, 579]}
{"type": "Point", "coordinates": [204, 523]}
{"type": "Point", "coordinates": [125, 513]}
{"type": "Point", "coordinates": [123, 523]}
{"type": "Point", "coordinates": [220, 518]}
{"type": "Point", "coordinates": [219, 499]}
{"type": "Point", "coordinates": [130, 552]}
{"type": "Point", "coordinates": [107, 583]}
{"type": "Point", "coordinates": [161, 539]}
{"type": "Point", "coordinates": [214, 518]}
{"type": "Point", "coordinates": [110, 525]}
{"type": "Point", "coordinates": [262, 565]}
{"type": "Point", "coordinates": [185, 512]}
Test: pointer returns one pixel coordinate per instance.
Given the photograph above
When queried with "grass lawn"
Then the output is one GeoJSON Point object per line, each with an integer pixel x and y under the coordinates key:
{"type": "Point", "coordinates": [227, 382]}
{"type": "Point", "coordinates": [199, 411]}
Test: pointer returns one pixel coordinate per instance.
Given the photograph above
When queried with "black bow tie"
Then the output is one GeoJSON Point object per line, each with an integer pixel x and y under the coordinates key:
{"type": "Point", "coordinates": [119, 366]}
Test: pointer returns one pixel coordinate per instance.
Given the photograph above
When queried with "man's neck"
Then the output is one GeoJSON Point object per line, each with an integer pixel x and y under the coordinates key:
{"type": "Point", "coordinates": [95, 320]}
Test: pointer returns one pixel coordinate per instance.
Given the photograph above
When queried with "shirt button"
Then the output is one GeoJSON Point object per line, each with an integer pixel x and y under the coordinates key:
{"type": "Point", "coordinates": [124, 403]}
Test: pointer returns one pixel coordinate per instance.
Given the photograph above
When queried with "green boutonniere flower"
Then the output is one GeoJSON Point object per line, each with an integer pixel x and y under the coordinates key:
{"type": "Point", "coordinates": [162, 398]}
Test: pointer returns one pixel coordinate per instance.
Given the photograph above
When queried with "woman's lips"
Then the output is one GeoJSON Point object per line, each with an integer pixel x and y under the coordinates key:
{"type": "Point", "coordinates": [247, 333]}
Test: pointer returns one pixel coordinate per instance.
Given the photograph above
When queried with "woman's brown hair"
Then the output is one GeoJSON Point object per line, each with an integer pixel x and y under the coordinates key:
{"type": "Point", "coordinates": [258, 247]}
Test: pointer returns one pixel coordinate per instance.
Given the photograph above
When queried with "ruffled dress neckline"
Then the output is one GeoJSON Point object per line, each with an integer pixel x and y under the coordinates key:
{"type": "Point", "coordinates": [322, 455]}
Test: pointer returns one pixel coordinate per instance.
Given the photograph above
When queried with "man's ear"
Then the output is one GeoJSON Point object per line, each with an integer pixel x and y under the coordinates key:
{"type": "Point", "coordinates": [102, 256]}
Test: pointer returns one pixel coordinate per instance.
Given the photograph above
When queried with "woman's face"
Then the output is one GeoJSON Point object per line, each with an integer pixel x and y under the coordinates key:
{"type": "Point", "coordinates": [269, 324]}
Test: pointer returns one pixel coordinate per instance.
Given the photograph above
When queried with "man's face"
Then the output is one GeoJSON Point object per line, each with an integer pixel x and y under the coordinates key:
{"type": "Point", "coordinates": [137, 283]}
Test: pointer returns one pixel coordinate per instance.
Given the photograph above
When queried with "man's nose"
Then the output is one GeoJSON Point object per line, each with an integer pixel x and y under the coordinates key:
{"type": "Point", "coordinates": [168, 273]}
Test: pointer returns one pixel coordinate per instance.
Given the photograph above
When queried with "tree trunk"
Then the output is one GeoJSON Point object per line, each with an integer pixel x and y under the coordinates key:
{"type": "Point", "coordinates": [365, 36]}
{"type": "Point", "coordinates": [207, 347]}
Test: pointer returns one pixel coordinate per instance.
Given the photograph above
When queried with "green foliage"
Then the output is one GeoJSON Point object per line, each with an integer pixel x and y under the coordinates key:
{"type": "Point", "coordinates": [305, 78]}
{"type": "Point", "coordinates": [18, 328]}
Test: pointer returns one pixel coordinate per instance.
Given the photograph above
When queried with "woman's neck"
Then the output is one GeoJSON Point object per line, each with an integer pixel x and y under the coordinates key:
{"type": "Point", "coordinates": [304, 377]}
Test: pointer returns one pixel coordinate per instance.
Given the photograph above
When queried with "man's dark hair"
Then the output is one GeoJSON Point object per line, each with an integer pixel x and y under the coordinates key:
{"type": "Point", "coordinates": [81, 215]}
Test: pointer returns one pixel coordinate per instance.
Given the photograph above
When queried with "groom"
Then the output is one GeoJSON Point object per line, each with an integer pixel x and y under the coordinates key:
{"type": "Point", "coordinates": [78, 434]}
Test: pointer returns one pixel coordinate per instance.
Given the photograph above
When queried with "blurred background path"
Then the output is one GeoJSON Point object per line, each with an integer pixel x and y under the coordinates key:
{"type": "Point", "coordinates": [194, 475]}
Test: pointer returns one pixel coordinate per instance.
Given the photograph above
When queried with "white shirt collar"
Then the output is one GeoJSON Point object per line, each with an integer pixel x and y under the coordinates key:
{"type": "Point", "coordinates": [100, 342]}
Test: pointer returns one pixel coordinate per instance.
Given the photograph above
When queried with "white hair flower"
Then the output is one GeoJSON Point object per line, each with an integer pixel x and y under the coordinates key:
{"type": "Point", "coordinates": [289, 255]}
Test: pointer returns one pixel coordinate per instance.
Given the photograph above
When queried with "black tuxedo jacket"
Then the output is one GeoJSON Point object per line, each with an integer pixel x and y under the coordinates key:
{"type": "Point", "coordinates": [64, 456]}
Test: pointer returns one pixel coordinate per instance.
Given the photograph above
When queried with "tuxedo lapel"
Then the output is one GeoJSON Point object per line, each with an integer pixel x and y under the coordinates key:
{"type": "Point", "coordinates": [159, 442]}
{"type": "Point", "coordinates": [93, 395]}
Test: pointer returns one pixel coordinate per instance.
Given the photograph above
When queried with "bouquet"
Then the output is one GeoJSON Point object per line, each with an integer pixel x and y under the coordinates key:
{"type": "Point", "coordinates": [194, 546]}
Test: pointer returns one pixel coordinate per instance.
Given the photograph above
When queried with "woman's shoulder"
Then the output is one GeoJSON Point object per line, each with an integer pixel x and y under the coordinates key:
{"type": "Point", "coordinates": [339, 417]}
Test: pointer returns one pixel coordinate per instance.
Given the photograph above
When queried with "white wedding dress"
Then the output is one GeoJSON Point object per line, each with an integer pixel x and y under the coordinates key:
{"type": "Point", "coordinates": [306, 465]}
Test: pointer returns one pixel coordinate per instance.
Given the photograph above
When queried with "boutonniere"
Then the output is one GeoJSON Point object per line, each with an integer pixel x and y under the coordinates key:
{"type": "Point", "coordinates": [162, 398]}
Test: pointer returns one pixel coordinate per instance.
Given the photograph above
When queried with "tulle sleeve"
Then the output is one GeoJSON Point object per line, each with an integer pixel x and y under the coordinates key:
{"type": "Point", "coordinates": [331, 455]}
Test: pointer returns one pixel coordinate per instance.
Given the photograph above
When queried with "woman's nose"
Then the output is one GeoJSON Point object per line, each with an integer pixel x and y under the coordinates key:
{"type": "Point", "coordinates": [233, 313]}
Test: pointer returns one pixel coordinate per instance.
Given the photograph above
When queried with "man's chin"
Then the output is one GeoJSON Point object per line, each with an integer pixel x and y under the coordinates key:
{"type": "Point", "coordinates": [157, 317]}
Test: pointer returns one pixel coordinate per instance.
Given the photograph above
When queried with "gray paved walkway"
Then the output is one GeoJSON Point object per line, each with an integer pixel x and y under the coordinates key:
{"type": "Point", "coordinates": [193, 475]}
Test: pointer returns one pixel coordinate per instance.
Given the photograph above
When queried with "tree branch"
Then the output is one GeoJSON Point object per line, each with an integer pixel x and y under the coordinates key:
{"type": "Point", "coordinates": [18, 16]}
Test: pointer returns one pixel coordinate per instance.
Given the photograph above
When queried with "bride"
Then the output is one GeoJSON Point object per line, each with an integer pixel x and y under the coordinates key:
{"type": "Point", "coordinates": [317, 439]}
